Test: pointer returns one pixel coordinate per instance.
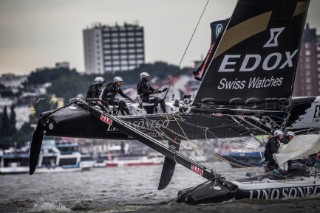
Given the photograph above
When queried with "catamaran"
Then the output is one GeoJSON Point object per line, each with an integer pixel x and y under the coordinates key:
{"type": "Point", "coordinates": [246, 90]}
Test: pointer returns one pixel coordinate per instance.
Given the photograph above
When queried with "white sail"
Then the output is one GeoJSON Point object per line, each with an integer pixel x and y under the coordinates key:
{"type": "Point", "coordinates": [300, 147]}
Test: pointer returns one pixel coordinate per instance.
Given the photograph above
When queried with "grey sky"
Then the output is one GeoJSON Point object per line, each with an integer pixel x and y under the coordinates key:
{"type": "Point", "coordinates": [38, 33]}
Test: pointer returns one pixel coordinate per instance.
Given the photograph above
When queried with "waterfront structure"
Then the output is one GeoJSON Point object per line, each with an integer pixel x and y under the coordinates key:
{"type": "Point", "coordinates": [113, 48]}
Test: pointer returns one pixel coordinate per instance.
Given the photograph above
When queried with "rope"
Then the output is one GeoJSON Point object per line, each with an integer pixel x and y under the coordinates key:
{"type": "Point", "coordinates": [194, 31]}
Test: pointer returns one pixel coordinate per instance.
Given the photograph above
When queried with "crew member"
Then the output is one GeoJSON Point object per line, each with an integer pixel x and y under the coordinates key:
{"type": "Point", "coordinates": [271, 148]}
{"type": "Point", "coordinates": [289, 136]}
{"type": "Point", "coordinates": [145, 90]}
{"type": "Point", "coordinates": [95, 89]}
{"type": "Point", "coordinates": [108, 95]}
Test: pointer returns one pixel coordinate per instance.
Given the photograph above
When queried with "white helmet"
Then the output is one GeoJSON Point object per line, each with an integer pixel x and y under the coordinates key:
{"type": "Point", "coordinates": [98, 80]}
{"type": "Point", "coordinates": [143, 75]}
{"type": "Point", "coordinates": [290, 133]}
{"type": "Point", "coordinates": [117, 79]}
{"type": "Point", "coordinates": [277, 132]}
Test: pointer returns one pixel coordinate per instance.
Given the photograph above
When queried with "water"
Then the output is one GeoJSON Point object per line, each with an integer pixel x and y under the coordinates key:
{"type": "Point", "coordinates": [126, 189]}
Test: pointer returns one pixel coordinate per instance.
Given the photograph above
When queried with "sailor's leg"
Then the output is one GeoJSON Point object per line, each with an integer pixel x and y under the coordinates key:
{"type": "Point", "coordinates": [147, 101]}
{"type": "Point", "coordinates": [122, 106]}
{"type": "Point", "coordinates": [163, 105]}
{"type": "Point", "coordinates": [149, 109]}
{"type": "Point", "coordinates": [156, 102]}
{"type": "Point", "coordinates": [114, 104]}
{"type": "Point", "coordinates": [272, 165]}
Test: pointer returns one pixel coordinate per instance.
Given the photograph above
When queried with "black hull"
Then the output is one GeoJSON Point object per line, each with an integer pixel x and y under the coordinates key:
{"type": "Point", "coordinates": [77, 121]}
{"type": "Point", "coordinates": [215, 192]}
{"type": "Point", "coordinates": [206, 193]}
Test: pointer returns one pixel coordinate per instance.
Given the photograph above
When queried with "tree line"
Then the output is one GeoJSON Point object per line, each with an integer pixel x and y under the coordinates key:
{"type": "Point", "coordinates": [9, 135]}
{"type": "Point", "coordinates": [68, 83]}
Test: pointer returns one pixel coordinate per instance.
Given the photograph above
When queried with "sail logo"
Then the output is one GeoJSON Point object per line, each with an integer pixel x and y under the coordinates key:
{"type": "Point", "coordinates": [290, 192]}
{"type": "Point", "coordinates": [219, 30]}
{"type": "Point", "coordinates": [251, 62]}
{"type": "Point", "coordinates": [196, 170]}
{"type": "Point", "coordinates": [150, 124]}
{"type": "Point", "coordinates": [105, 119]}
{"type": "Point", "coordinates": [274, 34]}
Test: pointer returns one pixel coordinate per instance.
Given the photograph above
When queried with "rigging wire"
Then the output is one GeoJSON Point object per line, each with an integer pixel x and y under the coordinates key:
{"type": "Point", "coordinates": [185, 51]}
{"type": "Point", "coordinates": [193, 33]}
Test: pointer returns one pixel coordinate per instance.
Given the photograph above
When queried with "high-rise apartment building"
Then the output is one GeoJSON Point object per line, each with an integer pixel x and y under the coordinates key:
{"type": "Point", "coordinates": [113, 48]}
{"type": "Point", "coordinates": [307, 82]}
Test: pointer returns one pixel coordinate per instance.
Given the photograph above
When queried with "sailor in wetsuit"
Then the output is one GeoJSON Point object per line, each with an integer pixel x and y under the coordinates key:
{"type": "Point", "coordinates": [271, 148]}
{"type": "Point", "coordinates": [95, 89]}
{"type": "Point", "coordinates": [289, 136]}
{"type": "Point", "coordinates": [108, 95]}
{"type": "Point", "coordinates": [145, 90]}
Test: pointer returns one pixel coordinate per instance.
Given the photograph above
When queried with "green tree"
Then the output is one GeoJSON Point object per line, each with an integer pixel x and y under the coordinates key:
{"type": "Point", "coordinates": [4, 123]}
{"type": "Point", "coordinates": [50, 74]}
{"type": "Point", "coordinates": [159, 69]}
{"type": "Point", "coordinates": [68, 83]}
{"type": "Point", "coordinates": [68, 87]}
{"type": "Point", "coordinates": [12, 121]}
{"type": "Point", "coordinates": [19, 138]}
{"type": "Point", "coordinates": [24, 134]}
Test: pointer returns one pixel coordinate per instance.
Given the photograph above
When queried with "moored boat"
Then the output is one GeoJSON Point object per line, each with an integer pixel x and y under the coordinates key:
{"type": "Point", "coordinates": [121, 155]}
{"type": "Point", "coordinates": [60, 157]}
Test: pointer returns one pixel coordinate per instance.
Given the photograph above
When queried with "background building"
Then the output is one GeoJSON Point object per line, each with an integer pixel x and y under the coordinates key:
{"type": "Point", "coordinates": [307, 82]}
{"type": "Point", "coordinates": [113, 48]}
{"type": "Point", "coordinates": [63, 64]}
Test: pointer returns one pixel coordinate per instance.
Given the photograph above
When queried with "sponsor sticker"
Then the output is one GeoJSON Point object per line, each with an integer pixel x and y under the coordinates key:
{"type": "Point", "coordinates": [197, 170]}
{"type": "Point", "coordinates": [105, 119]}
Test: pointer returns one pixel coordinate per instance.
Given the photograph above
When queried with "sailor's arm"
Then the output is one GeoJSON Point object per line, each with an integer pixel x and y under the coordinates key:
{"type": "Point", "coordinates": [124, 95]}
{"type": "Point", "coordinates": [274, 145]}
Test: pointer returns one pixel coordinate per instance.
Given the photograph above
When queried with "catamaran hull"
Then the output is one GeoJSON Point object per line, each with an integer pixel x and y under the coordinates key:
{"type": "Point", "coordinates": [79, 121]}
{"type": "Point", "coordinates": [212, 192]}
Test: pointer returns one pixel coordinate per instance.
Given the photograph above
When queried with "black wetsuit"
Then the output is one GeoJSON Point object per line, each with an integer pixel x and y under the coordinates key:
{"type": "Point", "coordinates": [110, 92]}
{"type": "Point", "coordinates": [94, 91]}
{"type": "Point", "coordinates": [145, 90]}
{"type": "Point", "coordinates": [272, 147]}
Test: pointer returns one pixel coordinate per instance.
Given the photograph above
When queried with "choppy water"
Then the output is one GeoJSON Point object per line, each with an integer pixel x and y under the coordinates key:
{"type": "Point", "coordinates": [126, 189]}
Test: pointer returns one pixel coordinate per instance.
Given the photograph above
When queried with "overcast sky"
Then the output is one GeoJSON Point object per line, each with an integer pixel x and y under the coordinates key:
{"type": "Point", "coordinates": [38, 33]}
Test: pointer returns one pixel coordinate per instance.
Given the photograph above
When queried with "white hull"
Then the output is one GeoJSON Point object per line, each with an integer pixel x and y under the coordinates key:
{"type": "Point", "coordinates": [134, 161]}
{"type": "Point", "coordinates": [14, 170]}
{"type": "Point", "coordinates": [25, 170]}
{"type": "Point", "coordinates": [57, 169]}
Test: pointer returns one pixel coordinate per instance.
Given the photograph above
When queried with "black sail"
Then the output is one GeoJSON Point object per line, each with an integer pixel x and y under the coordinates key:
{"type": "Point", "coordinates": [255, 63]}
{"type": "Point", "coordinates": [217, 29]}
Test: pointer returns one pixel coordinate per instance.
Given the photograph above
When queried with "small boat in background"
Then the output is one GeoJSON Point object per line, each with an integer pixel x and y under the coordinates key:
{"type": "Point", "coordinates": [238, 159]}
{"type": "Point", "coordinates": [121, 155]}
{"type": "Point", "coordinates": [14, 161]}
{"type": "Point", "coordinates": [54, 157]}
